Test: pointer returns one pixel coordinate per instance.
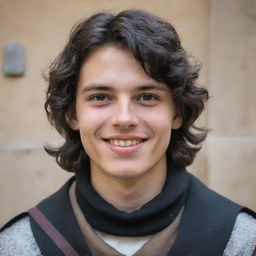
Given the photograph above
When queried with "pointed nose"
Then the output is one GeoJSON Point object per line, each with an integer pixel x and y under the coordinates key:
{"type": "Point", "coordinates": [124, 115]}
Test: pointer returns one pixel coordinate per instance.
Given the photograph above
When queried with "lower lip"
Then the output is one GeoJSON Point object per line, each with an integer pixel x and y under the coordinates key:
{"type": "Point", "coordinates": [125, 150]}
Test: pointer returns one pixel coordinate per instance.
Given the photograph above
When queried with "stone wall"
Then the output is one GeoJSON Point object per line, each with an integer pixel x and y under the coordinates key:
{"type": "Point", "coordinates": [231, 145]}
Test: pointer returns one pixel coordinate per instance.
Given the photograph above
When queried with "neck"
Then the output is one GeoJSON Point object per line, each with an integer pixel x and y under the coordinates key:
{"type": "Point", "coordinates": [128, 194]}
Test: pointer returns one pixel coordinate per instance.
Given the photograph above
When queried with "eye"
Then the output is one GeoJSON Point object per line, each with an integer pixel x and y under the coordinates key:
{"type": "Point", "coordinates": [99, 97]}
{"type": "Point", "coordinates": [147, 97]}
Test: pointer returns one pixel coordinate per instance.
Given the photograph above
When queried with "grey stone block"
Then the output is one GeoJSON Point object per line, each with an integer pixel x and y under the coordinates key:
{"type": "Point", "coordinates": [14, 60]}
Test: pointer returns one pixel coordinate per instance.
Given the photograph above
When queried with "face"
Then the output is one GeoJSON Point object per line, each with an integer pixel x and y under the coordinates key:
{"type": "Point", "coordinates": [124, 116]}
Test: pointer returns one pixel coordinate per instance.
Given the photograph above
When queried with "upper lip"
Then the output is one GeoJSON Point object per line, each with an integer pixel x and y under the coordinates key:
{"type": "Point", "coordinates": [125, 137]}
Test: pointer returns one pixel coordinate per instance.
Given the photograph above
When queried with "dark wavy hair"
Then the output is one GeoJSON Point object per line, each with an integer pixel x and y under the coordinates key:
{"type": "Point", "coordinates": [156, 46]}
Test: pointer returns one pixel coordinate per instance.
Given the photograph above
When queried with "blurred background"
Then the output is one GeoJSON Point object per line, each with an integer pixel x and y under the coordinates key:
{"type": "Point", "coordinates": [221, 33]}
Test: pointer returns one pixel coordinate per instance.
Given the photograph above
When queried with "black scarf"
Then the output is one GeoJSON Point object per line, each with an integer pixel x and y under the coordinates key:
{"type": "Point", "coordinates": [149, 219]}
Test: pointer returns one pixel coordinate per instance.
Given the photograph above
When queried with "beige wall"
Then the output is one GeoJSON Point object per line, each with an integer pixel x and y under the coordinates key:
{"type": "Point", "coordinates": [27, 174]}
{"type": "Point", "coordinates": [232, 142]}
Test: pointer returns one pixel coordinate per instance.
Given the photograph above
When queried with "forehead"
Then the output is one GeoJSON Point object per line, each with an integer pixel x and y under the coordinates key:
{"type": "Point", "coordinates": [116, 67]}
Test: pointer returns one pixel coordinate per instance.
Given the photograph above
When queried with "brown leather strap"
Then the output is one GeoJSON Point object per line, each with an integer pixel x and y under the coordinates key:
{"type": "Point", "coordinates": [254, 252]}
{"type": "Point", "coordinates": [65, 247]}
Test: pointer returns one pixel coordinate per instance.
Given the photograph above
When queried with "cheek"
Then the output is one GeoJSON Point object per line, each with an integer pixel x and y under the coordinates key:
{"type": "Point", "coordinates": [164, 135]}
{"type": "Point", "coordinates": [87, 127]}
{"type": "Point", "coordinates": [90, 125]}
{"type": "Point", "coordinates": [90, 144]}
{"type": "Point", "coordinates": [86, 141]}
{"type": "Point", "coordinates": [160, 121]}
{"type": "Point", "coordinates": [161, 126]}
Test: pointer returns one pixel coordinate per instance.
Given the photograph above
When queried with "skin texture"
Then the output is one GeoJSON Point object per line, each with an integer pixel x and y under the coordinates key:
{"type": "Point", "coordinates": [116, 99]}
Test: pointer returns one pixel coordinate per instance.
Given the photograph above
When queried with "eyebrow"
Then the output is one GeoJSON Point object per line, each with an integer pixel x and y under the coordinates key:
{"type": "Point", "coordinates": [151, 87]}
{"type": "Point", "coordinates": [147, 87]}
{"type": "Point", "coordinates": [97, 88]}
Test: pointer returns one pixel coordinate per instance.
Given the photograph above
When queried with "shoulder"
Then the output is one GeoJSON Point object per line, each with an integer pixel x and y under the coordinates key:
{"type": "Point", "coordinates": [18, 239]}
{"type": "Point", "coordinates": [243, 237]}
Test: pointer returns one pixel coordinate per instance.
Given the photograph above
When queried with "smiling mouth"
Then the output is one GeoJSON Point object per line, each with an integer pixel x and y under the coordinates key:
{"type": "Point", "coordinates": [124, 143]}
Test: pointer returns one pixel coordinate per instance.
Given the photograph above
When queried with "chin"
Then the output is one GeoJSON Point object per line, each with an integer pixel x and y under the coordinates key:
{"type": "Point", "coordinates": [125, 173]}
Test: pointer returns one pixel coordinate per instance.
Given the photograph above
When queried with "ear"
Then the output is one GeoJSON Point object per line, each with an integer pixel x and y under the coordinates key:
{"type": "Point", "coordinates": [71, 119]}
{"type": "Point", "coordinates": [176, 122]}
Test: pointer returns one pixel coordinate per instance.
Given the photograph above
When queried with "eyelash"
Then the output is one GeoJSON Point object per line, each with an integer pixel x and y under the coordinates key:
{"type": "Point", "coordinates": [153, 97]}
{"type": "Point", "coordinates": [94, 97]}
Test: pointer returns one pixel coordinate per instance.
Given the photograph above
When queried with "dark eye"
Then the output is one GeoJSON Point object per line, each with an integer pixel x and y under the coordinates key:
{"type": "Point", "coordinates": [147, 97]}
{"type": "Point", "coordinates": [99, 97]}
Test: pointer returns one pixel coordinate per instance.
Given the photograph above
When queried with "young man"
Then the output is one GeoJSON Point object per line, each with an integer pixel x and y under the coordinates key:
{"type": "Point", "coordinates": [123, 95]}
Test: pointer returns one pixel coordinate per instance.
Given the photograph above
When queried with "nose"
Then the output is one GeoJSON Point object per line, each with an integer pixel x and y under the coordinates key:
{"type": "Point", "coordinates": [124, 115]}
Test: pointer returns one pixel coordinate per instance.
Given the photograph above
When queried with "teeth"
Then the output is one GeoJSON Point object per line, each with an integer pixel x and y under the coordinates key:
{"type": "Point", "coordinates": [128, 143]}
{"type": "Point", "coordinates": [125, 143]}
{"type": "Point", "coordinates": [121, 143]}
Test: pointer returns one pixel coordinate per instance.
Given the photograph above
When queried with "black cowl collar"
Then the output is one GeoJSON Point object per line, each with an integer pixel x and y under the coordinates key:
{"type": "Point", "coordinates": [149, 219]}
